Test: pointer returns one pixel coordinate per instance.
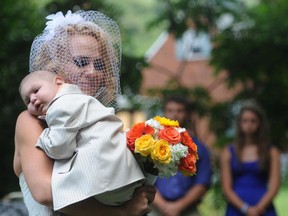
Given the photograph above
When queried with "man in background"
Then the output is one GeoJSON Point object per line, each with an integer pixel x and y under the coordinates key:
{"type": "Point", "coordinates": [179, 195]}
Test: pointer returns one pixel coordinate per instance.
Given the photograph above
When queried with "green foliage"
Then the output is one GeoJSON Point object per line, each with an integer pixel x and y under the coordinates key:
{"type": "Point", "coordinates": [136, 37]}
{"type": "Point", "coordinates": [256, 56]}
{"type": "Point", "coordinates": [253, 51]}
{"type": "Point", "coordinates": [19, 24]}
{"type": "Point", "coordinates": [105, 7]}
{"type": "Point", "coordinates": [131, 77]}
{"type": "Point", "coordinates": [220, 122]}
{"type": "Point", "coordinates": [174, 14]}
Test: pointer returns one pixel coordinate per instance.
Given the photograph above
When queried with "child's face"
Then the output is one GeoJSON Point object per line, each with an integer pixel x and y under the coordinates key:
{"type": "Point", "coordinates": [37, 94]}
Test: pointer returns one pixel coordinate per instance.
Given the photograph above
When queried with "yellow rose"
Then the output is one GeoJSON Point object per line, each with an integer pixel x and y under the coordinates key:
{"type": "Point", "coordinates": [161, 151]}
{"type": "Point", "coordinates": [143, 144]}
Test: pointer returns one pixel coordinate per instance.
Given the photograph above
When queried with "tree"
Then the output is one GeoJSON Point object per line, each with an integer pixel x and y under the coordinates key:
{"type": "Point", "coordinates": [251, 46]}
{"type": "Point", "coordinates": [256, 56]}
{"type": "Point", "coordinates": [19, 24]}
{"type": "Point", "coordinates": [174, 14]}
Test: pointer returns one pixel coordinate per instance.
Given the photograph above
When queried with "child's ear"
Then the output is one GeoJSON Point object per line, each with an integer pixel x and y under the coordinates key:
{"type": "Point", "coordinates": [59, 80]}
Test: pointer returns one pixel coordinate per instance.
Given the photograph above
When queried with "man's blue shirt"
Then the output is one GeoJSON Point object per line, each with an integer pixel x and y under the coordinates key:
{"type": "Point", "coordinates": [177, 186]}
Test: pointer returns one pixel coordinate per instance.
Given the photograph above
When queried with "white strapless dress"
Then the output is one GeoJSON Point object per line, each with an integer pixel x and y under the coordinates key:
{"type": "Point", "coordinates": [34, 208]}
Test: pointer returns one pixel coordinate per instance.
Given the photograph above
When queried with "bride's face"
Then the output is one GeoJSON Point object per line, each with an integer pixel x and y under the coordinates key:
{"type": "Point", "coordinates": [87, 69]}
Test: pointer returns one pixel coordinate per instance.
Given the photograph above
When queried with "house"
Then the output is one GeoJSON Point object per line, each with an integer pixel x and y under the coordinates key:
{"type": "Point", "coordinates": [186, 60]}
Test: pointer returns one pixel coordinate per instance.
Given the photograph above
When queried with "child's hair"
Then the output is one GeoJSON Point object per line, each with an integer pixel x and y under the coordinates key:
{"type": "Point", "coordinates": [261, 136]}
{"type": "Point", "coordinates": [40, 75]}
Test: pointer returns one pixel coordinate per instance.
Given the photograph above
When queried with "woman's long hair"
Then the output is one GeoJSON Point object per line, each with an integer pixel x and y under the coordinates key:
{"type": "Point", "coordinates": [260, 137]}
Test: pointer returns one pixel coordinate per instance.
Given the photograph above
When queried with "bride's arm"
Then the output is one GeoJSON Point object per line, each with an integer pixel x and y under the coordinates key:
{"type": "Point", "coordinates": [137, 206]}
{"type": "Point", "coordinates": [33, 162]}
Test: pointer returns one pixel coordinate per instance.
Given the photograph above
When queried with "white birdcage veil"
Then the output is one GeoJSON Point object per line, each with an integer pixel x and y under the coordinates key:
{"type": "Point", "coordinates": [85, 48]}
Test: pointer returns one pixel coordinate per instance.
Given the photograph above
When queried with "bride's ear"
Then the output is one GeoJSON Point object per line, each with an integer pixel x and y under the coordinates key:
{"type": "Point", "coordinates": [59, 80]}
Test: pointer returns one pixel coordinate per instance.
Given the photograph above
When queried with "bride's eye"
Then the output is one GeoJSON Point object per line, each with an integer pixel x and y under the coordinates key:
{"type": "Point", "coordinates": [81, 62]}
{"type": "Point", "coordinates": [99, 65]}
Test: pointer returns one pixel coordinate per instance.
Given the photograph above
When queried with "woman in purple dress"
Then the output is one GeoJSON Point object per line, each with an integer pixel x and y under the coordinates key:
{"type": "Point", "coordinates": [250, 169]}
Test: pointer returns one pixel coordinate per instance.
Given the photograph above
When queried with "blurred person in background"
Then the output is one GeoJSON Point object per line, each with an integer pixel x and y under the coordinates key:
{"type": "Point", "coordinates": [250, 168]}
{"type": "Point", "coordinates": [180, 195]}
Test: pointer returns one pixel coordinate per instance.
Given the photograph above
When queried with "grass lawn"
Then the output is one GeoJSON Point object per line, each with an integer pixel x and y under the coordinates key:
{"type": "Point", "coordinates": [207, 207]}
{"type": "Point", "coordinates": [281, 201]}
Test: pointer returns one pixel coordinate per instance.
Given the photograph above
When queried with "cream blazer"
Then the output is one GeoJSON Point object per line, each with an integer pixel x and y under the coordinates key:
{"type": "Point", "coordinates": [89, 145]}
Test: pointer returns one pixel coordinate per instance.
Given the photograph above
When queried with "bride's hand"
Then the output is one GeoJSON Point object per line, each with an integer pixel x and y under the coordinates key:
{"type": "Point", "coordinates": [148, 191]}
{"type": "Point", "coordinates": [139, 204]}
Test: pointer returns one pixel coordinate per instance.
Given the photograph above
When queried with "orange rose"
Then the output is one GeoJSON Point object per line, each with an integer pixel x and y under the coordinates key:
{"type": "Point", "coordinates": [170, 134]}
{"type": "Point", "coordinates": [188, 164]}
{"type": "Point", "coordinates": [137, 131]}
{"type": "Point", "coordinates": [188, 141]}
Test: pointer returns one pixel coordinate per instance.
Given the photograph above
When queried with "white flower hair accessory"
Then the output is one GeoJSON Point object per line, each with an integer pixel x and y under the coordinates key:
{"type": "Point", "coordinates": [59, 20]}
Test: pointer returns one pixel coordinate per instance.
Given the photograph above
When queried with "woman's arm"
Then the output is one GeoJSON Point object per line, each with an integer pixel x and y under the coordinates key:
{"type": "Point", "coordinates": [274, 179]}
{"type": "Point", "coordinates": [227, 181]}
{"type": "Point", "coordinates": [35, 165]}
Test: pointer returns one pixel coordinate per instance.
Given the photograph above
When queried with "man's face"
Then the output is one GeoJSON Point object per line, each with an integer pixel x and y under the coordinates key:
{"type": "Point", "coordinates": [175, 111]}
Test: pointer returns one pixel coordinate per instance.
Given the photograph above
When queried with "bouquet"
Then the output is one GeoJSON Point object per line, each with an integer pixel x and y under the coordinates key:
{"type": "Point", "coordinates": [162, 147]}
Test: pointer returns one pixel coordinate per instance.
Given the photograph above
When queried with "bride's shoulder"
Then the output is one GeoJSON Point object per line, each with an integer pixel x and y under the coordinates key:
{"type": "Point", "coordinates": [25, 115]}
{"type": "Point", "coordinates": [27, 124]}
{"type": "Point", "coordinates": [25, 118]}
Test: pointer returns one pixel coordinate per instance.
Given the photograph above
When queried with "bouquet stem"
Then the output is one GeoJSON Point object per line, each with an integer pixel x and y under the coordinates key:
{"type": "Point", "coordinates": [150, 179]}
{"type": "Point", "coordinates": [150, 172]}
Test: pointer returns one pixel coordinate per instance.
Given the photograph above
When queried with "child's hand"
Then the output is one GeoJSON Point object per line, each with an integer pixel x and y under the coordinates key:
{"type": "Point", "coordinates": [42, 117]}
